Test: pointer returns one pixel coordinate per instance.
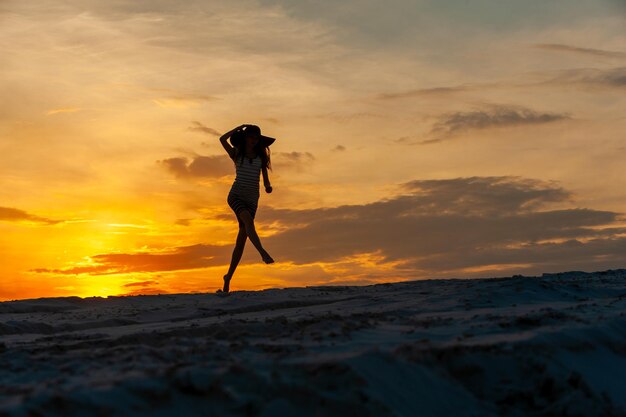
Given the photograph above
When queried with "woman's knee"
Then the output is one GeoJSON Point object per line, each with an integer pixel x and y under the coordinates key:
{"type": "Point", "coordinates": [246, 218]}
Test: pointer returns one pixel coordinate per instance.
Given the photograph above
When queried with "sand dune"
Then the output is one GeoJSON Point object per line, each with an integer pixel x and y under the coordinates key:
{"type": "Point", "coordinates": [515, 346]}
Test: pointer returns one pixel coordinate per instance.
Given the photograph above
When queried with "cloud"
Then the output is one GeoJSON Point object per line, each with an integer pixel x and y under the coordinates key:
{"type": "Point", "coordinates": [432, 91]}
{"type": "Point", "coordinates": [167, 97]}
{"type": "Point", "coordinates": [199, 127]}
{"type": "Point", "coordinates": [584, 77]}
{"type": "Point", "coordinates": [589, 77]}
{"type": "Point", "coordinates": [186, 257]}
{"type": "Point", "coordinates": [292, 160]}
{"type": "Point", "coordinates": [571, 254]}
{"type": "Point", "coordinates": [431, 227]}
{"type": "Point", "coordinates": [295, 156]}
{"type": "Point", "coordinates": [63, 110]}
{"type": "Point", "coordinates": [147, 291]}
{"type": "Point", "coordinates": [485, 196]}
{"type": "Point", "coordinates": [501, 116]}
{"type": "Point", "coordinates": [16, 215]}
{"type": "Point", "coordinates": [339, 148]}
{"type": "Point", "coordinates": [426, 142]}
{"type": "Point", "coordinates": [144, 288]}
{"type": "Point", "coordinates": [141, 283]}
{"type": "Point", "coordinates": [585, 51]}
{"type": "Point", "coordinates": [455, 220]}
{"type": "Point", "coordinates": [214, 166]}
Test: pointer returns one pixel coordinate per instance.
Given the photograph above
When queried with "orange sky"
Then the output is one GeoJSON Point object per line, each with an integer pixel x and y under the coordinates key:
{"type": "Point", "coordinates": [414, 140]}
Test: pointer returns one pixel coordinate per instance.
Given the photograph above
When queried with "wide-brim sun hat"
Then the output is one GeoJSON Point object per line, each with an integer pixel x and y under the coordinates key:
{"type": "Point", "coordinates": [239, 136]}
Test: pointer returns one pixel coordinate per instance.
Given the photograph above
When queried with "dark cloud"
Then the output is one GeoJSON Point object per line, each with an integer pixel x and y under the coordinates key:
{"type": "Point", "coordinates": [484, 195]}
{"type": "Point", "coordinates": [147, 291]}
{"type": "Point", "coordinates": [141, 283]}
{"type": "Point", "coordinates": [435, 217]}
{"type": "Point", "coordinates": [571, 254]}
{"type": "Point", "coordinates": [186, 257]}
{"type": "Point", "coordinates": [144, 288]}
{"type": "Point", "coordinates": [339, 148]}
{"type": "Point", "coordinates": [411, 141]}
{"type": "Point", "coordinates": [499, 116]}
{"type": "Point", "coordinates": [199, 127]}
{"type": "Point", "coordinates": [295, 156]}
{"type": "Point", "coordinates": [296, 161]}
{"type": "Point", "coordinates": [16, 215]}
{"type": "Point", "coordinates": [431, 227]}
{"type": "Point", "coordinates": [590, 77]}
{"type": "Point", "coordinates": [213, 166]}
{"type": "Point", "coordinates": [216, 166]}
{"type": "Point", "coordinates": [428, 91]}
{"type": "Point", "coordinates": [169, 95]}
{"type": "Point", "coordinates": [584, 77]}
{"type": "Point", "coordinates": [427, 142]}
{"type": "Point", "coordinates": [578, 50]}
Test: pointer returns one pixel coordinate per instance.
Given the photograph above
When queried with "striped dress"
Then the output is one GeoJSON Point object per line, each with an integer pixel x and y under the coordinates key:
{"type": "Point", "coordinates": [244, 193]}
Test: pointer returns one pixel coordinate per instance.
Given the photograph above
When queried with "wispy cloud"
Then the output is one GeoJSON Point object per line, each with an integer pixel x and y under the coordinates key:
{"type": "Point", "coordinates": [500, 116]}
{"type": "Point", "coordinates": [295, 156]}
{"type": "Point", "coordinates": [578, 50]}
{"type": "Point", "coordinates": [140, 283]}
{"type": "Point", "coordinates": [186, 257]}
{"type": "Point", "coordinates": [199, 127]}
{"type": "Point", "coordinates": [17, 215]}
{"type": "Point", "coordinates": [584, 77]}
{"type": "Point", "coordinates": [213, 166]}
{"type": "Point", "coordinates": [216, 166]}
{"type": "Point", "coordinates": [63, 110]}
{"type": "Point", "coordinates": [168, 97]}
{"type": "Point", "coordinates": [589, 77]}
{"type": "Point", "coordinates": [293, 160]}
{"type": "Point", "coordinates": [418, 92]}
{"type": "Point", "coordinates": [144, 288]}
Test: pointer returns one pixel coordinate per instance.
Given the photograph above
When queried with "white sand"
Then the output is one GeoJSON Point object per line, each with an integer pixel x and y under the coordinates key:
{"type": "Point", "coordinates": [550, 345]}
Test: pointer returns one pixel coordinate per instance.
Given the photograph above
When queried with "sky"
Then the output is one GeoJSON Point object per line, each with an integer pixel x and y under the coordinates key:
{"type": "Point", "coordinates": [414, 140]}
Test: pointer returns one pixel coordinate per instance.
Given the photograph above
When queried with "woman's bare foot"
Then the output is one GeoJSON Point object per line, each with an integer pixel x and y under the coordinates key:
{"type": "Point", "coordinates": [267, 258]}
{"type": "Point", "coordinates": [226, 282]}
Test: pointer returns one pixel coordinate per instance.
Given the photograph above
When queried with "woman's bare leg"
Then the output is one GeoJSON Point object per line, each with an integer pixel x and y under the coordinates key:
{"type": "Point", "coordinates": [237, 252]}
{"type": "Point", "coordinates": [248, 221]}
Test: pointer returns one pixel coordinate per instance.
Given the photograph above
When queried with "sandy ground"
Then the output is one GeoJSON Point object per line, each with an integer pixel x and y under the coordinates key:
{"type": "Point", "coordinates": [553, 345]}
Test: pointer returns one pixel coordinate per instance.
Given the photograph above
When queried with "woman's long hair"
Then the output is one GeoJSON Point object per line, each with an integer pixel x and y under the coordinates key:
{"type": "Point", "coordinates": [263, 151]}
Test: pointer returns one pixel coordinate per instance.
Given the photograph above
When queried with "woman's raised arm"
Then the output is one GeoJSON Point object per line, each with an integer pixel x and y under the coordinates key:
{"type": "Point", "coordinates": [224, 140]}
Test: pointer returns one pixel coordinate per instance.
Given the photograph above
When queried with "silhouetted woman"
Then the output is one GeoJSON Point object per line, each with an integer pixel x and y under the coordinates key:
{"type": "Point", "coordinates": [251, 154]}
